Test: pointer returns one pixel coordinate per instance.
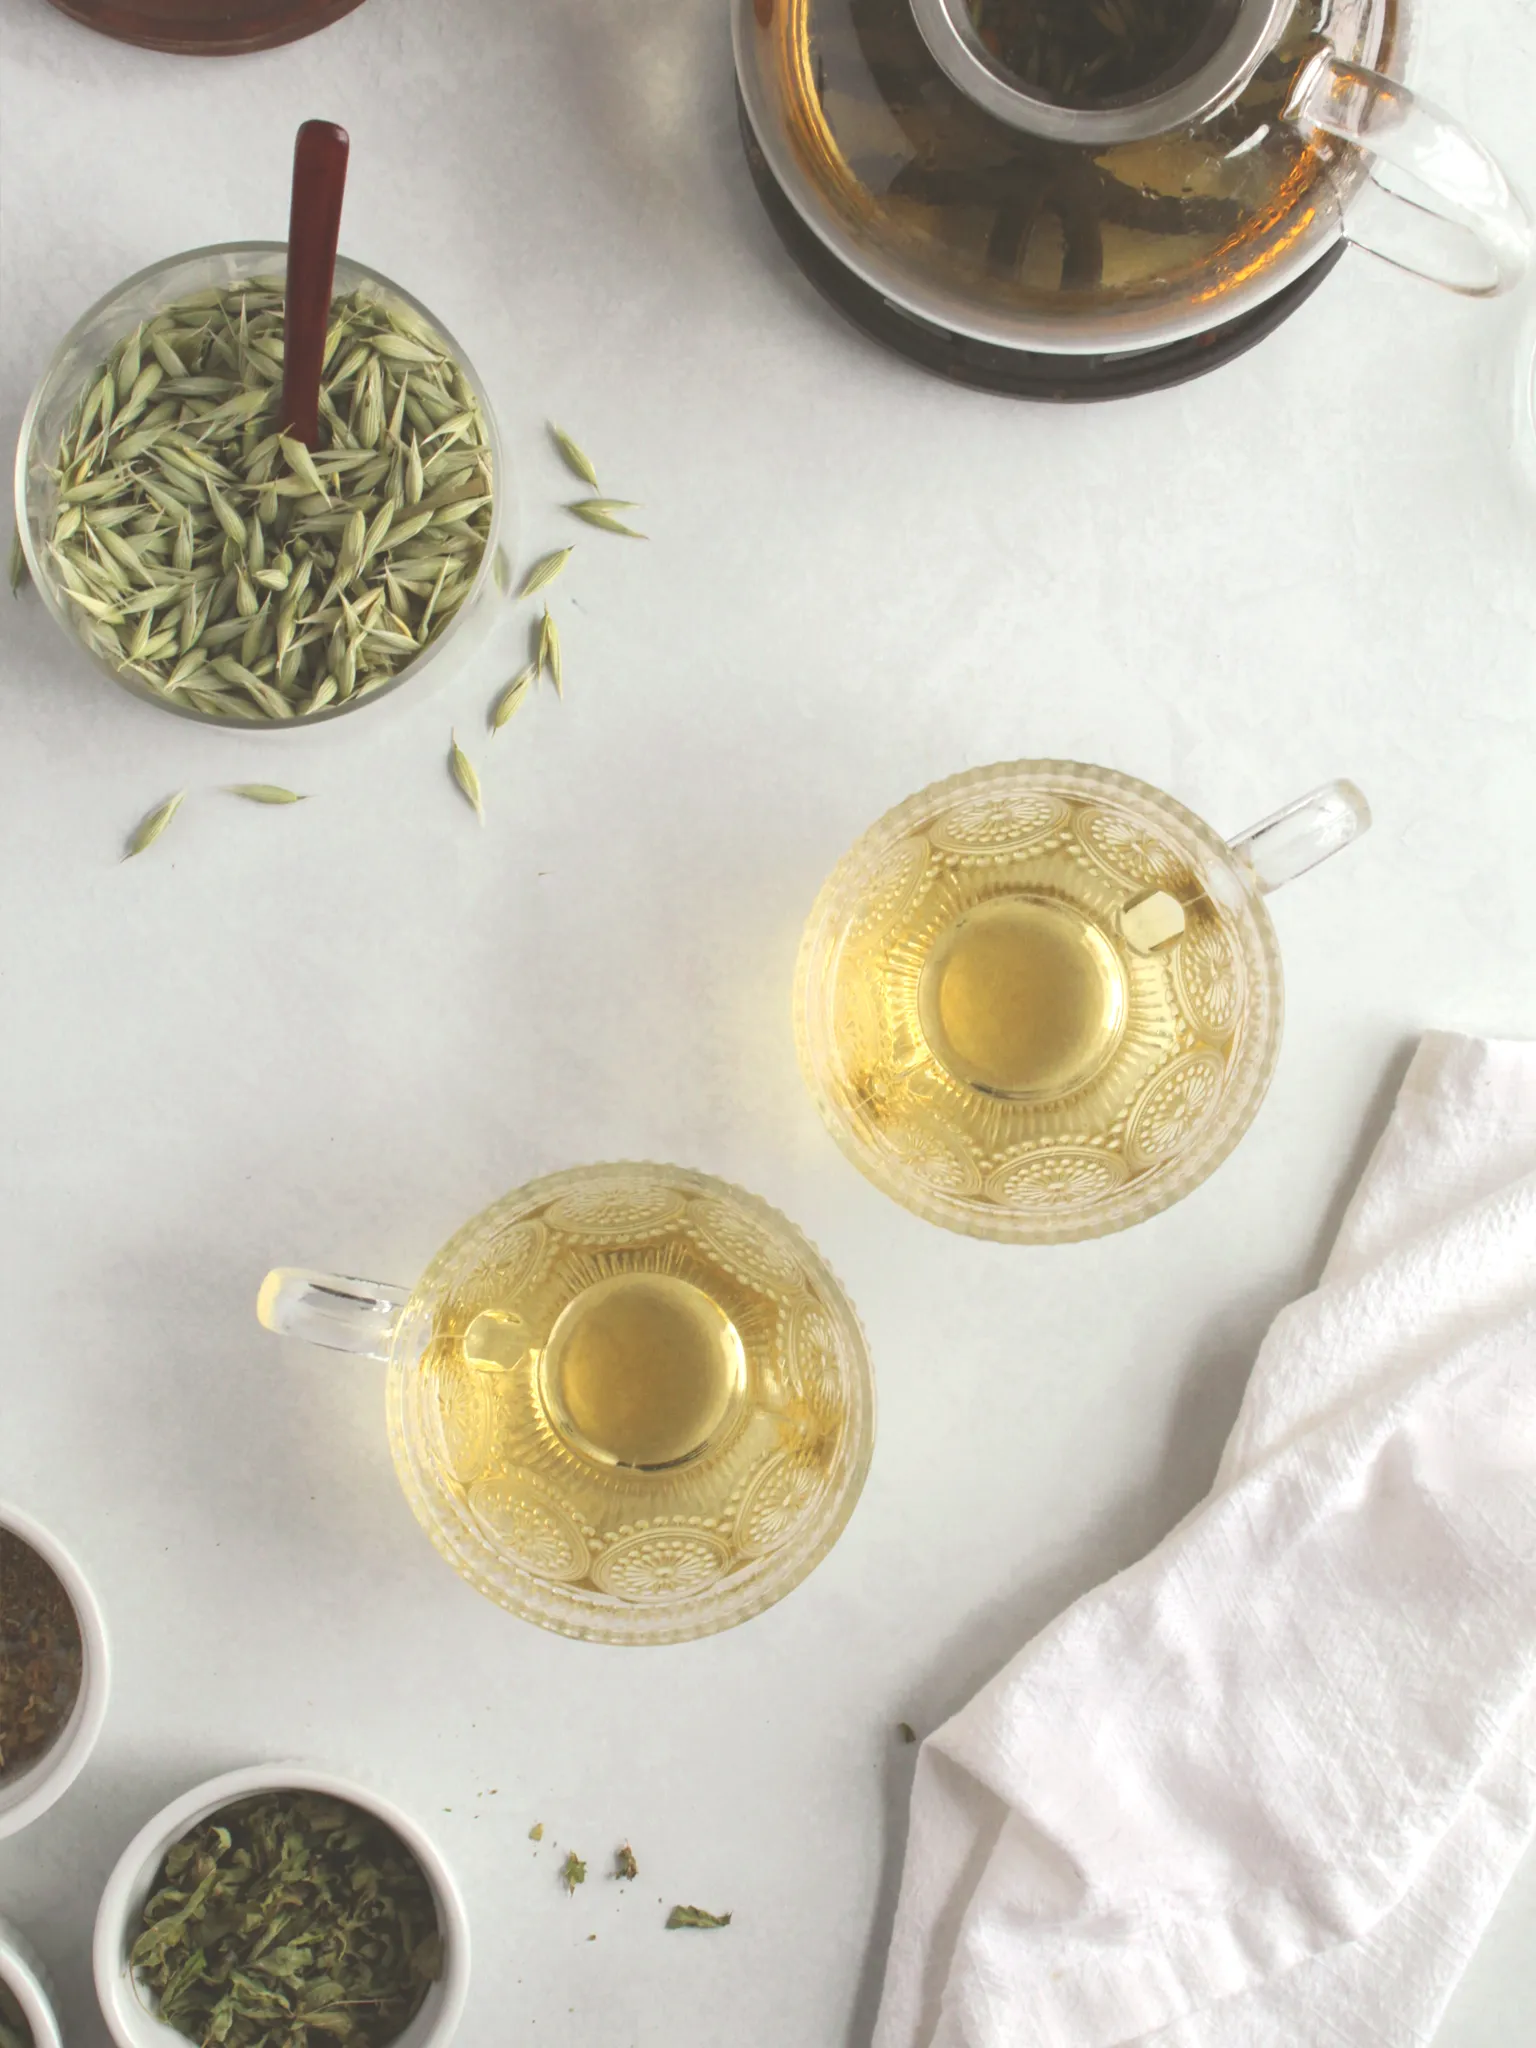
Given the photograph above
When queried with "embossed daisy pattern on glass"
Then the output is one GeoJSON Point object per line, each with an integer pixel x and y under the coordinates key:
{"type": "Point", "coordinates": [663, 1564]}
{"type": "Point", "coordinates": [1058, 1174]}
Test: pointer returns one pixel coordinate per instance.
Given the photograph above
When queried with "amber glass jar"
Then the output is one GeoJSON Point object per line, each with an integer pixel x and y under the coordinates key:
{"type": "Point", "coordinates": [206, 28]}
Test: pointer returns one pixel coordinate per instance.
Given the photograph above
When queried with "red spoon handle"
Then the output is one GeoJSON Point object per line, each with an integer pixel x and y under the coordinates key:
{"type": "Point", "coordinates": [314, 222]}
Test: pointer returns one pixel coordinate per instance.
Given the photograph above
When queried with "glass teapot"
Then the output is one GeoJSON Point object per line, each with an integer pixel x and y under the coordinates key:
{"type": "Point", "coordinates": [1042, 1001]}
{"type": "Point", "coordinates": [630, 1403]}
{"type": "Point", "coordinates": [1043, 176]}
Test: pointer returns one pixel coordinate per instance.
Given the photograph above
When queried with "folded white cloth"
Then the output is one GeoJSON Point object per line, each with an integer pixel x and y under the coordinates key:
{"type": "Point", "coordinates": [1264, 1789]}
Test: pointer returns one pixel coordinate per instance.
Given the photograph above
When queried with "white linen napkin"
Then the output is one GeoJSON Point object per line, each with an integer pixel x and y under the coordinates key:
{"type": "Point", "coordinates": [1264, 1789]}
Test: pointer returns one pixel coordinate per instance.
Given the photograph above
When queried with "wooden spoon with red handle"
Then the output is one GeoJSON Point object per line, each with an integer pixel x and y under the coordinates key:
{"type": "Point", "coordinates": [314, 222]}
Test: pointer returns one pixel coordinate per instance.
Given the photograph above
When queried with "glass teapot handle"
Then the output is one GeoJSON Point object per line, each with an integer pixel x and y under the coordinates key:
{"type": "Point", "coordinates": [328, 1308]}
{"type": "Point", "coordinates": [1438, 204]}
{"type": "Point", "coordinates": [1283, 846]}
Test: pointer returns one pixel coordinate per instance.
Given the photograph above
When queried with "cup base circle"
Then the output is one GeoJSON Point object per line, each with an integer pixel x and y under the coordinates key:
{"type": "Point", "coordinates": [643, 1371]}
{"type": "Point", "coordinates": [1022, 998]}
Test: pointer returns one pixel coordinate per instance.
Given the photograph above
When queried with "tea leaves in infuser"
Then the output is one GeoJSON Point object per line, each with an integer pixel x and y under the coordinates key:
{"type": "Point", "coordinates": [1083, 52]}
{"type": "Point", "coordinates": [289, 1920]}
{"type": "Point", "coordinates": [41, 1655]}
{"type": "Point", "coordinates": [220, 562]}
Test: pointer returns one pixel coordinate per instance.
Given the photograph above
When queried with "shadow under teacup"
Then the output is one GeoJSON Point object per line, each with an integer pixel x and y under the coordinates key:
{"type": "Point", "coordinates": [1042, 1001]}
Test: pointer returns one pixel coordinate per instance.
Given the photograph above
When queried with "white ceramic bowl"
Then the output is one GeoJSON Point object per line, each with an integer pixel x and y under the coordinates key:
{"type": "Point", "coordinates": [22, 1975]}
{"type": "Point", "coordinates": [131, 2022]}
{"type": "Point", "coordinates": [48, 1777]}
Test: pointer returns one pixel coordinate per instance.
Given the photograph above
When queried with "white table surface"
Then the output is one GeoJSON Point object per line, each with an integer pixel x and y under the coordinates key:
{"type": "Point", "coordinates": [329, 1034]}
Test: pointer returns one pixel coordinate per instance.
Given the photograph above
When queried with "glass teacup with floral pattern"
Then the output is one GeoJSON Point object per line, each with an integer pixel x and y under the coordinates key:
{"type": "Point", "coordinates": [1042, 1001]}
{"type": "Point", "coordinates": [630, 1403]}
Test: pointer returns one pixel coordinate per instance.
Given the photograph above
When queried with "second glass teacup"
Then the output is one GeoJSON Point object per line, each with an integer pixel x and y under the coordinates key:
{"type": "Point", "coordinates": [630, 1403]}
{"type": "Point", "coordinates": [1042, 1001]}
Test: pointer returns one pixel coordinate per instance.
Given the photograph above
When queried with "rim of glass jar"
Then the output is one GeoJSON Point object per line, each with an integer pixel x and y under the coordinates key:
{"type": "Point", "coordinates": [547, 1603]}
{"type": "Point", "coordinates": [41, 575]}
{"type": "Point", "coordinates": [1124, 332]}
{"type": "Point", "coordinates": [815, 1041]}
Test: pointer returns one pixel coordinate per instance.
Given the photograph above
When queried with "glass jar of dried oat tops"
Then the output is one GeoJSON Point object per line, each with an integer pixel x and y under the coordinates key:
{"type": "Point", "coordinates": [173, 539]}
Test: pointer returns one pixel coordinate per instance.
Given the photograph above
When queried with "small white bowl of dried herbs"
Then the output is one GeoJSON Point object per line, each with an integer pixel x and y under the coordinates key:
{"type": "Point", "coordinates": [275, 1896]}
{"type": "Point", "coordinates": [54, 1670]}
{"type": "Point", "coordinates": [206, 560]}
{"type": "Point", "coordinates": [27, 2018]}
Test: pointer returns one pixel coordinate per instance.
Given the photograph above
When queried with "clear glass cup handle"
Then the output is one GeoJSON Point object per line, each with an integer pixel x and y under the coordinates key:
{"type": "Point", "coordinates": [1438, 204]}
{"type": "Point", "coordinates": [1283, 846]}
{"type": "Point", "coordinates": [331, 1309]}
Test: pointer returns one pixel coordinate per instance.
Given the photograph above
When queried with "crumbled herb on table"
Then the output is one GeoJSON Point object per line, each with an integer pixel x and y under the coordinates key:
{"type": "Point", "coordinates": [695, 1916]}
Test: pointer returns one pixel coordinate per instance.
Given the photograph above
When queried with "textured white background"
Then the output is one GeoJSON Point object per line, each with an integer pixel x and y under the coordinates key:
{"type": "Point", "coordinates": [329, 1034]}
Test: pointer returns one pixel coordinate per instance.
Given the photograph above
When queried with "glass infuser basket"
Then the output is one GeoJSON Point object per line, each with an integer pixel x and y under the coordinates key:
{"type": "Point", "coordinates": [958, 197]}
{"type": "Point", "coordinates": [630, 1403]}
